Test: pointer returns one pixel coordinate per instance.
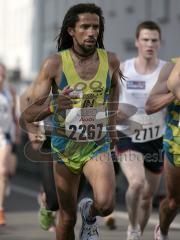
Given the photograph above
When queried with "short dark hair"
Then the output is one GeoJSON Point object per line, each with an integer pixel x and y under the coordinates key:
{"type": "Point", "coordinates": [64, 40]}
{"type": "Point", "coordinates": [148, 25]}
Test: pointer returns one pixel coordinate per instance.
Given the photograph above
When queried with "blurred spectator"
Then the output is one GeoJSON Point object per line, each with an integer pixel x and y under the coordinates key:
{"type": "Point", "coordinates": [9, 135]}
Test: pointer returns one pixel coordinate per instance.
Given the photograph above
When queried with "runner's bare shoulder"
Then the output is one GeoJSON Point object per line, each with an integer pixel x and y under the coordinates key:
{"type": "Point", "coordinates": [52, 65]}
{"type": "Point", "coordinates": [113, 60]}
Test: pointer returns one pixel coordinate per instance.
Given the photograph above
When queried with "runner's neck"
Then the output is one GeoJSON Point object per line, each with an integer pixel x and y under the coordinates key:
{"type": "Point", "coordinates": [83, 56]}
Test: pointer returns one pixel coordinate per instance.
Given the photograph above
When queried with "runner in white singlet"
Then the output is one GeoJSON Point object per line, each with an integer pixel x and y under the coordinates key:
{"type": "Point", "coordinates": [140, 154]}
{"type": "Point", "coordinates": [135, 91]}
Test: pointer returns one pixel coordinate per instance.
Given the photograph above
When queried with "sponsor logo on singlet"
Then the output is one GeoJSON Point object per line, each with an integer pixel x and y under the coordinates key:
{"type": "Point", "coordinates": [140, 85]}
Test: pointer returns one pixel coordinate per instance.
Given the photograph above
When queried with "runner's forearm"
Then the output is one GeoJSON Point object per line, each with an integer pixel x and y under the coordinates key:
{"type": "Point", "coordinates": [37, 112]}
{"type": "Point", "coordinates": [157, 102]}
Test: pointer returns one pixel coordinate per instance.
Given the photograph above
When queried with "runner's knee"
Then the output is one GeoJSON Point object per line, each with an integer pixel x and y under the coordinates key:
{"type": "Point", "coordinates": [105, 206]}
{"type": "Point", "coordinates": [174, 203]}
{"type": "Point", "coordinates": [137, 186]}
{"type": "Point", "coordinates": [67, 221]}
{"type": "Point", "coordinates": [3, 171]}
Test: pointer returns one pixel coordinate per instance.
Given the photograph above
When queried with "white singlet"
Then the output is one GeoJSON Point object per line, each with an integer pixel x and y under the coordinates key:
{"type": "Point", "coordinates": [6, 103]}
{"type": "Point", "coordinates": [135, 90]}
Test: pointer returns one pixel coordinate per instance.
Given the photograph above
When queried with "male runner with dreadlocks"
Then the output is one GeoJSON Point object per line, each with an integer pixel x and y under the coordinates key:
{"type": "Point", "coordinates": [86, 76]}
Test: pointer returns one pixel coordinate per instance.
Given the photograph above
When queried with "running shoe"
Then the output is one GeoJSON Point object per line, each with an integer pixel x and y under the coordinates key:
{"type": "Point", "coordinates": [133, 234]}
{"type": "Point", "coordinates": [2, 218]}
{"type": "Point", "coordinates": [46, 218]}
{"type": "Point", "coordinates": [89, 231]}
{"type": "Point", "coordinates": [158, 235]}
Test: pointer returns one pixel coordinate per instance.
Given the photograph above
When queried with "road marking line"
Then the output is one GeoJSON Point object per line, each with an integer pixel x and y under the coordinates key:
{"type": "Point", "coordinates": [152, 220]}
{"type": "Point", "coordinates": [24, 191]}
{"type": "Point", "coordinates": [121, 215]}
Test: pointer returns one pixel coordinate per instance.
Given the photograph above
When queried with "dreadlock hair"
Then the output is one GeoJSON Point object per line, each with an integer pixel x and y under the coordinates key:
{"type": "Point", "coordinates": [64, 40]}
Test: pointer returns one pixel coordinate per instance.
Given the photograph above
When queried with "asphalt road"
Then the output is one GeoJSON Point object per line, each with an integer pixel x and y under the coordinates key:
{"type": "Point", "coordinates": [22, 221]}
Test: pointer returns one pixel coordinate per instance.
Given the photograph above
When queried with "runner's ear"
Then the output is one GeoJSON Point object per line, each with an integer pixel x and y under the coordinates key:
{"type": "Point", "coordinates": [70, 31]}
{"type": "Point", "coordinates": [136, 43]}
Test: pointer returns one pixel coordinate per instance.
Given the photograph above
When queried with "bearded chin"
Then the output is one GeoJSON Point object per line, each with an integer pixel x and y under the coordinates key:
{"type": "Point", "coordinates": [87, 49]}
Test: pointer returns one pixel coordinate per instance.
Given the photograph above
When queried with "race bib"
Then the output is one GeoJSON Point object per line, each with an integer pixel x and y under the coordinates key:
{"type": "Point", "coordinates": [152, 127]}
{"type": "Point", "coordinates": [85, 124]}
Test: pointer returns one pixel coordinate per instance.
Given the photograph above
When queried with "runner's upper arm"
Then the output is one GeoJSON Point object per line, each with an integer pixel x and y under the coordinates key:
{"type": "Point", "coordinates": [114, 63]}
{"type": "Point", "coordinates": [173, 81]}
{"type": "Point", "coordinates": [114, 68]}
{"type": "Point", "coordinates": [160, 96]}
{"type": "Point", "coordinates": [25, 96]}
{"type": "Point", "coordinates": [42, 85]}
{"type": "Point", "coordinates": [176, 71]}
{"type": "Point", "coordinates": [161, 85]}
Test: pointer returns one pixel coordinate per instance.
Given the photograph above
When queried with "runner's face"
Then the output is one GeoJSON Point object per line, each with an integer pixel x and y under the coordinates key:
{"type": "Point", "coordinates": [2, 74]}
{"type": "Point", "coordinates": [85, 33]}
{"type": "Point", "coordinates": [148, 43]}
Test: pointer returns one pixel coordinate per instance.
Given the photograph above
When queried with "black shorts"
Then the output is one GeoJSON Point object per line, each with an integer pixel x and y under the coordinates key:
{"type": "Point", "coordinates": [46, 146]}
{"type": "Point", "coordinates": [152, 152]}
